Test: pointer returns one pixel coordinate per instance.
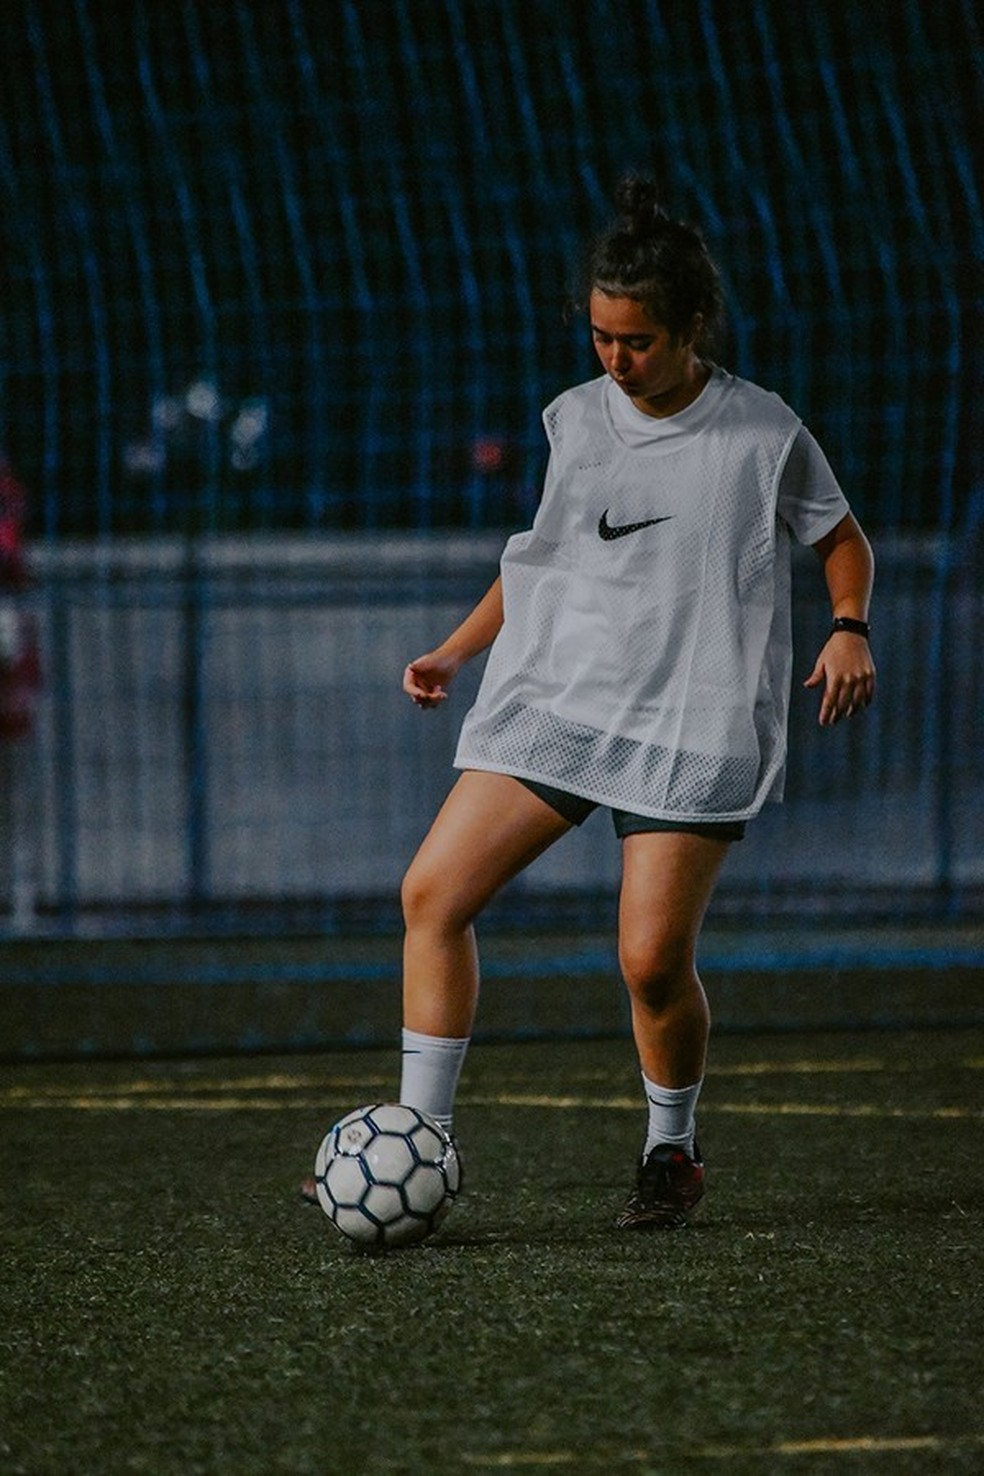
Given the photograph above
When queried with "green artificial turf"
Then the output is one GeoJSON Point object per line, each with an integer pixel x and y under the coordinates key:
{"type": "Point", "coordinates": [167, 1305]}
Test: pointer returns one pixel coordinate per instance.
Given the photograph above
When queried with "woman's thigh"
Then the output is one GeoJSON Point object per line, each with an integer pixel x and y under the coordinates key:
{"type": "Point", "coordinates": [488, 830]}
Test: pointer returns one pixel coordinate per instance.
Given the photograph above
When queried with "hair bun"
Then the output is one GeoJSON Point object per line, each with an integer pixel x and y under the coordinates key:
{"type": "Point", "coordinates": [637, 202]}
{"type": "Point", "coordinates": [663, 263]}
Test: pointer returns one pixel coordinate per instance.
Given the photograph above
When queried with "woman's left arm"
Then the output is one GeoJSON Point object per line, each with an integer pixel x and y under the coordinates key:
{"type": "Point", "coordinates": [844, 669]}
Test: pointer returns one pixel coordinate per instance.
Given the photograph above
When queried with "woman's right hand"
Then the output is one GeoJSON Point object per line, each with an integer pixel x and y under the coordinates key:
{"type": "Point", "coordinates": [427, 679]}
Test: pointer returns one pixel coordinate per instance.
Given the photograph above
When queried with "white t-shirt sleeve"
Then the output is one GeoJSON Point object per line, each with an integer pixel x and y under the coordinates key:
{"type": "Point", "coordinates": [810, 502]}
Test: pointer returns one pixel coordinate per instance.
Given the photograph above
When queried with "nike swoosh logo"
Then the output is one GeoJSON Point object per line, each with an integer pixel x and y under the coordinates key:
{"type": "Point", "coordinates": [607, 532]}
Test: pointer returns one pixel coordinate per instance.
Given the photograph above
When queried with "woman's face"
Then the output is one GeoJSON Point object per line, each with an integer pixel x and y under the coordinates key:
{"type": "Point", "coordinates": [660, 374]}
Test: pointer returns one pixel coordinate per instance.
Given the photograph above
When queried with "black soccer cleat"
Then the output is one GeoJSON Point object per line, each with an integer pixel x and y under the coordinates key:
{"type": "Point", "coordinates": [668, 1186]}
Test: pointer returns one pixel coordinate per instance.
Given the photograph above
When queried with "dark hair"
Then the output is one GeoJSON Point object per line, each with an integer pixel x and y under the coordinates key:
{"type": "Point", "coordinates": [659, 262]}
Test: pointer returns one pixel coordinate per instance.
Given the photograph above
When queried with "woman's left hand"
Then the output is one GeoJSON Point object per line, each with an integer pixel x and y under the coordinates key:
{"type": "Point", "coordinates": [846, 673]}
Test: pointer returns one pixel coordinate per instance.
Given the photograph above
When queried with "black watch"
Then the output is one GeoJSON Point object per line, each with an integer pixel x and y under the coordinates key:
{"type": "Point", "coordinates": [856, 627]}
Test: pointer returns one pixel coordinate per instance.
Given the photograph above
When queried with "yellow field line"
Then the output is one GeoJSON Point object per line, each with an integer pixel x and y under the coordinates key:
{"type": "Point", "coordinates": [276, 1083]}
{"type": "Point", "coordinates": [81, 1103]}
{"type": "Point", "coordinates": [872, 1442]}
{"type": "Point", "coordinates": [754, 1109]}
{"type": "Point", "coordinates": [143, 1101]}
{"type": "Point", "coordinates": [866, 1444]}
{"type": "Point", "coordinates": [326, 1085]}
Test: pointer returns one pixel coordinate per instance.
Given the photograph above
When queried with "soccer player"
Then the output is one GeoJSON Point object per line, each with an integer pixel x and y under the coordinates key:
{"type": "Point", "coordinates": [641, 661]}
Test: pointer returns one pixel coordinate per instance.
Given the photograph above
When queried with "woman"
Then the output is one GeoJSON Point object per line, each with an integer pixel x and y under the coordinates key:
{"type": "Point", "coordinates": [640, 661]}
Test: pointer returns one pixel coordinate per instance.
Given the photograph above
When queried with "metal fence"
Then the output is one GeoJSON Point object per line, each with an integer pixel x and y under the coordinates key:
{"type": "Point", "coordinates": [222, 737]}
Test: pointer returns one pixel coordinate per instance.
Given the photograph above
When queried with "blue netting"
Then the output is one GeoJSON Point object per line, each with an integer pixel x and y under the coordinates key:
{"type": "Point", "coordinates": [343, 233]}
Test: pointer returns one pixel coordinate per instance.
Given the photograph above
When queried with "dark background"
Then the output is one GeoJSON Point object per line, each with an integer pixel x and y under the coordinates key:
{"type": "Point", "coordinates": [356, 222]}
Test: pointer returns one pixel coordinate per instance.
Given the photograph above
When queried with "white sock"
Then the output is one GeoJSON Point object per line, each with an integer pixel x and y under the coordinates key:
{"type": "Point", "coordinates": [671, 1114]}
{"type": "Point", "coordinates": [429, 1079]}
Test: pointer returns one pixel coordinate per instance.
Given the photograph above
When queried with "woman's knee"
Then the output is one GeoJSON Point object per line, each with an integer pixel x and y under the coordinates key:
{"type": "Point", "coordinates": [419, 896]}
{"type": "Point", "coordinates": [431, 899]}
{"type": "Point", "coordinates": [658, 973]}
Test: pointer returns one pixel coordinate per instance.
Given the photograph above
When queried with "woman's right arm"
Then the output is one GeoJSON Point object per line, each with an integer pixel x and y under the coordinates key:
{"type": "Point", "coordinates": [426, 680]}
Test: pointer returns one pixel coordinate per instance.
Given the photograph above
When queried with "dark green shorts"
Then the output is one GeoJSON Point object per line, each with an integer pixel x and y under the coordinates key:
{"type": "Point", "coordinates": [576, 810]}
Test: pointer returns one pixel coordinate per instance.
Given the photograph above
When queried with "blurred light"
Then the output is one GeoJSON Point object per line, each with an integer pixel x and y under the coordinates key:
{"type": "Point", "coordinates": [250, 424]}
{"type": "Point", "coordinates": [166, 412]}
{"type": "Point", "coordinates": [245, 434]}
{"type": "Point", "coordinates": [143, 458]}
{"type": "Point", "coordinates": [10, 643]}
{"type": "Point", "coordinates": [244, 458]}
{"type": "Point", "coordinates": [488, 455]}
{"type": "Point", "coordinates": [202, 400]}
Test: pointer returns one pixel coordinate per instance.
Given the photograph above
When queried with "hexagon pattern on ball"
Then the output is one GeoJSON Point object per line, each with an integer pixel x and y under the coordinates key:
{"type": "Point", "coordinates": [386, 1175]}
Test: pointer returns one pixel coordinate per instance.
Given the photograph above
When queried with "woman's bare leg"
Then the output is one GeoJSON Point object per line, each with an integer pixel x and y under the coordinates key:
{"type": "Point", "coordinates": [667, 881]}
{"type": "Point", "coordinates": [488, 830]}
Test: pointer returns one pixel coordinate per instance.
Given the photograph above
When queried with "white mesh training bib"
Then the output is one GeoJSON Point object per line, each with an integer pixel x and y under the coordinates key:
{"type": "Point", "coordinates": [645, 657]}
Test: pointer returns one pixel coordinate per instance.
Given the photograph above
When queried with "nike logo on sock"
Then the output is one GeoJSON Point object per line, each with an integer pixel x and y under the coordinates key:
{"type": "Point", "coordinates": [607, 532]}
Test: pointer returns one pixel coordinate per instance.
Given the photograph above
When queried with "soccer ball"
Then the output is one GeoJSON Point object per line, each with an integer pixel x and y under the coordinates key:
{"type": "Point", "coordinates": [386, 1175]}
